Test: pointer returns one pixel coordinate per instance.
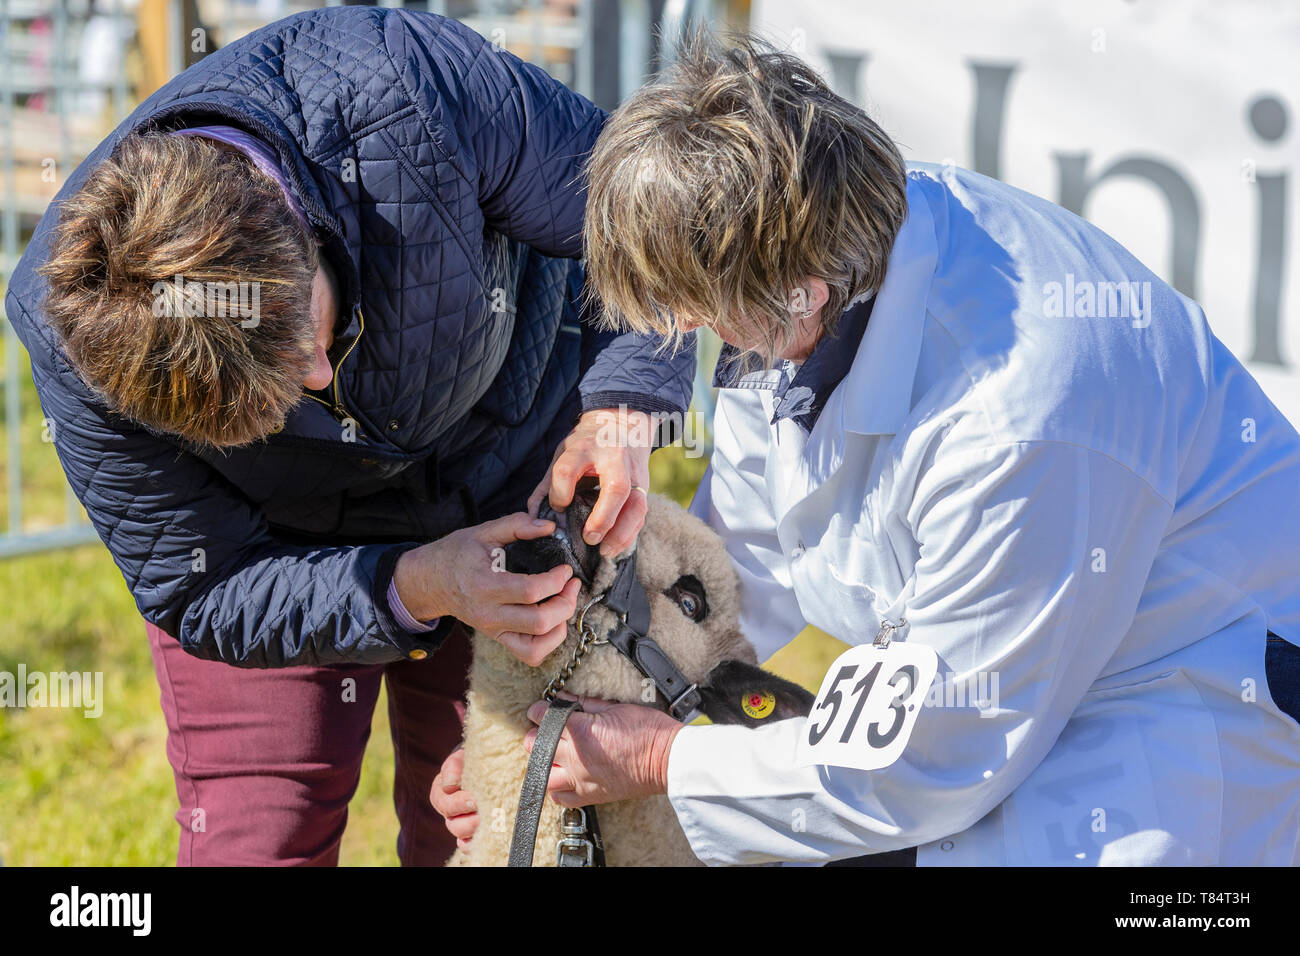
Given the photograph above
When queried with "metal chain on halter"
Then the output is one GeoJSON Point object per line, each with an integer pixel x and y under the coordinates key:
{"type": "Point", "coordinates": [586, 640]}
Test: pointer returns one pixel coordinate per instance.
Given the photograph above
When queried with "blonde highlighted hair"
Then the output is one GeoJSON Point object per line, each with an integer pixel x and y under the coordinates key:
{"type": "Point", "coordinates": [163, 207]}
{"type": "Point", "coordinates": [719, 188]}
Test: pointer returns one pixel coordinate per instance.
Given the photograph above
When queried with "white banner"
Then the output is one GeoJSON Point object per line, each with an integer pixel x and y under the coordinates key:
{"type": "Point", "coordinates": [1168, 123]}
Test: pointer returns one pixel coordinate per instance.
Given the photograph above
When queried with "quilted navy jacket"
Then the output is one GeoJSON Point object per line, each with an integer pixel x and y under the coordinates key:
{"type": "Point", "coordinates": [444, 177]}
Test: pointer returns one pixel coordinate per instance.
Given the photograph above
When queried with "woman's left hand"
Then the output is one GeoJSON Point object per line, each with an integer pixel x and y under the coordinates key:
{"type": "Point", "coordinates": [613, 444]}
{"type": "Point", "coordinates": [608, 752]}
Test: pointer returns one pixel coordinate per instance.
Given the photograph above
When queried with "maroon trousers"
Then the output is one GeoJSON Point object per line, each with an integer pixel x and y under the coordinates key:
{"type": "Point", "coordinates": [266, 760]}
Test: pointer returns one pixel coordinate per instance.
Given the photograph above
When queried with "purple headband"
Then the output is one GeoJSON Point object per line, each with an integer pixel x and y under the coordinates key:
{"type": "Point", "coordinates": [260, 154]}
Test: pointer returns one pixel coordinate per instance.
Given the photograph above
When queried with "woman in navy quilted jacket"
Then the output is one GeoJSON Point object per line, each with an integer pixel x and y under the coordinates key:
{"type": "Point", "coordinates": [309, 328]}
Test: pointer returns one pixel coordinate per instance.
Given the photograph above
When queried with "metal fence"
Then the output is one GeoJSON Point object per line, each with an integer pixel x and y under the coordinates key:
{"type": "Point", "coordinates": [44, 104]}
{"type": "Point", "coordinates": [71, 70]}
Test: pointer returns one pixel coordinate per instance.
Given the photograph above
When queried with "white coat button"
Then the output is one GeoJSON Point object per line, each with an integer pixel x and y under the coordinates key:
{"type": "Point", "coordinates": [946, 845]}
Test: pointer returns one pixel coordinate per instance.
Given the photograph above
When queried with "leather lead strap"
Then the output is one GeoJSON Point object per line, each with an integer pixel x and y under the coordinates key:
{"type": "Point", "coordinates": [533, 793]}
{"type": "Point", "coordinates": [532, 796]}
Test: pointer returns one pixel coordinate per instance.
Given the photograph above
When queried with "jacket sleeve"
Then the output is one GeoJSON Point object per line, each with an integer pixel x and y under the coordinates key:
{"type": "Point", "coordinates": [1007, 583]}
{"type": "Point", "coordinates": [527, 136]}
{"type": "Point", "coordinates": [633, 371]}
{"type": "Point", "coordinates": [199, 558]}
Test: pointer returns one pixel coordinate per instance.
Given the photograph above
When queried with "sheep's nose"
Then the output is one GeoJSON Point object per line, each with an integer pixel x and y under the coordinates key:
{"type": "Point", "coordinates": [564, 545]}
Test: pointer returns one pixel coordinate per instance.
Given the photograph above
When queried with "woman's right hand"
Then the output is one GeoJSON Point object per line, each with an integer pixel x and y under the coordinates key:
{"type": "Point", "coordinates": [463, 575]}
{"type": "Point", "coordinates": [457, 806]}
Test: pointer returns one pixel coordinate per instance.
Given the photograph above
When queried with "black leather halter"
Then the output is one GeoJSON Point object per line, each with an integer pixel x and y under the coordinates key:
{"type": "Point", "coordinates": [581, 843]}
{"type": "Point", "coordinates": [627, 598]}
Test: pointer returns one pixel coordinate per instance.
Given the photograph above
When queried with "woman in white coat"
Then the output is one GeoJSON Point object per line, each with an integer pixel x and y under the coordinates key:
{"type": "Point", "coordinates": [982, 441]}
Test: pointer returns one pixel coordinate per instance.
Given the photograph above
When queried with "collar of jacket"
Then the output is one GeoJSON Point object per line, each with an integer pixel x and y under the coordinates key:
{"type": "Point", "coordinates": [876, 358]}
{"type": "Point", "coordinates": [801, 396]}
{"type": "Point", "coordinates": [259, 154]}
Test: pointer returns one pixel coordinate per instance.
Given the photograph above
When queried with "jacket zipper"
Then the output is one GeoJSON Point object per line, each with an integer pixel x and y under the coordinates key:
{"type": "Point", "coordinates": [337, 409]}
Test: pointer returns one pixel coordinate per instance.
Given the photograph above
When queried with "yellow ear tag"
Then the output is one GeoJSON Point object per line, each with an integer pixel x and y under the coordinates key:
{"type": "Point", "coordinates": [758, 704]}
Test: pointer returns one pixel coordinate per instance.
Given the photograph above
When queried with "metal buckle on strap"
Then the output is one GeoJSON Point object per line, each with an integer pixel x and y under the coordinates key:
{"type": "Point", "coordinates": [575, 840]}
{"type": "Point", "coordinates": [689, 703]}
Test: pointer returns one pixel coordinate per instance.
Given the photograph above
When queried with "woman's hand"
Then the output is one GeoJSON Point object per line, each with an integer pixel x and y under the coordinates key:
{"type": "Point", "coordinates": [613, 444]}
{"type": "Point", "coordinates": [458, 809]}
{"type": "Point", "coordinates": [463, 575]}
{"type": "Point", "coordinates": [608, 752]}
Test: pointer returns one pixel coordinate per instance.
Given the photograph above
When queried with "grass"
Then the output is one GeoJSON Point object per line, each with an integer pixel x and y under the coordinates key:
{"type": "Point", "coordinates": [99, 791]}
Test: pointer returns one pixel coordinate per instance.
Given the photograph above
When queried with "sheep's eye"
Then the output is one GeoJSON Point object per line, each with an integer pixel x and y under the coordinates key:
{"type": "Point", "coordinates": [688, 592]}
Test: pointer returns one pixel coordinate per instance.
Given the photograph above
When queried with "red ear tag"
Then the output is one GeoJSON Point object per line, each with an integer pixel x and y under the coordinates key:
{"type": "Point", "coordinates": [758, 704]}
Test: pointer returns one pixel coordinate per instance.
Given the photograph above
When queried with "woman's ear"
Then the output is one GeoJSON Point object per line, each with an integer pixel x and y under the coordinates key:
{"type": "Point", "coordinates": [740, 693]}
{"type": "Point", "coordinates": [809, 296]}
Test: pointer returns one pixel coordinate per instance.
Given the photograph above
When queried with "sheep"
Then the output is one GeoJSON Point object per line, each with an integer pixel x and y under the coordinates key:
{"type": "Point", "coordinates": [693, 592]}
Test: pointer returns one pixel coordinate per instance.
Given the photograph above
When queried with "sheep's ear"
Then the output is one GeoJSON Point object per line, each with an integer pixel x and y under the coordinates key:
{"type": "Point", "coordinates": [740, 693]}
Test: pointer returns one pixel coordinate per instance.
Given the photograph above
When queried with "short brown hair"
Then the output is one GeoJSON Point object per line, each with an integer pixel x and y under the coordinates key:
{"type": "Point", "coordinates": [150, 343]}
{"type": "Point", "coordinates": [727, 180]}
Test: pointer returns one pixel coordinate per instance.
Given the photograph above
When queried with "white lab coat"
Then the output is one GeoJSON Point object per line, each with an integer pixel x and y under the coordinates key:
{"type": "Point", "coordinates": [1101, 513]}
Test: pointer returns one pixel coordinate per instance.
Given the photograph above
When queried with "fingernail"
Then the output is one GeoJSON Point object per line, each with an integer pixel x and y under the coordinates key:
{"type": "Point", "coordinates": [540, 522]}
{"type": "Point", "coordinates": [591, 538]}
